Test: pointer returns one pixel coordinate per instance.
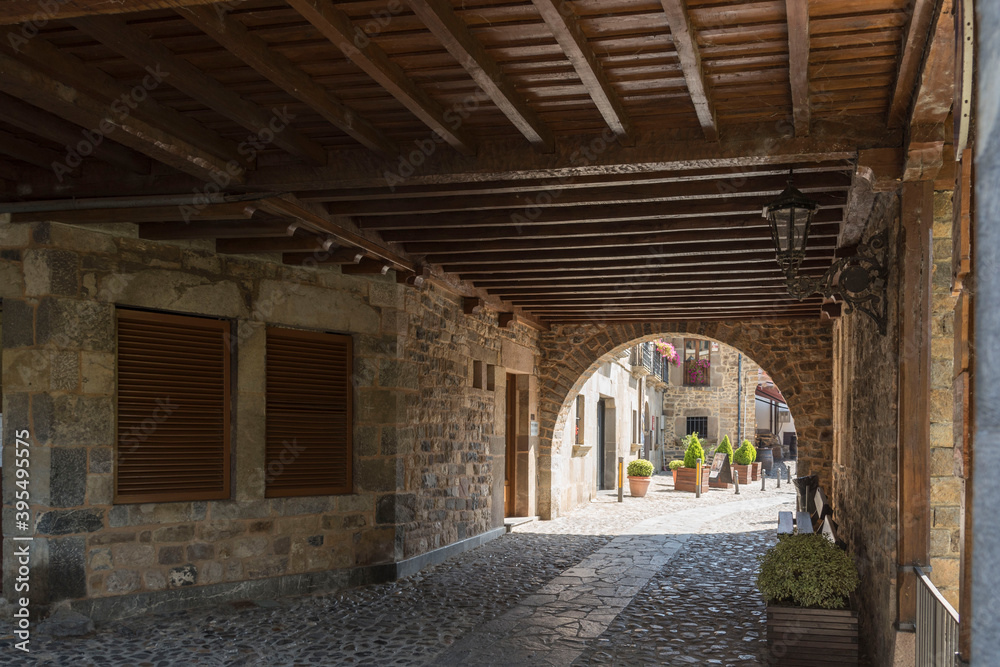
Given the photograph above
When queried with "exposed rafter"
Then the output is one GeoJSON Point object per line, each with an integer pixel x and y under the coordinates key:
{"type": "Point", "coordinates": [927, 127]}
{"type": "Point", "coordinates": [689, 54]}
{"type": "Point", "coordinates": [441, 19]}
{"type": "Point", "coordinates": [336, 26]}
{"type": "Point", "coordinates": [130, 42]}
{"type": "Point", "coordinates": [798, 63]}
{"type": "Point", "coordinates": [565, 28]}
{"type": "Point", "coordinates": [255, 52]}
{"type": "Point", "coordinates": [911, 58]}
{"type": "Point", "coordinates": [23, 11]}
{"type": "Point", "coordinates": [72, 103]}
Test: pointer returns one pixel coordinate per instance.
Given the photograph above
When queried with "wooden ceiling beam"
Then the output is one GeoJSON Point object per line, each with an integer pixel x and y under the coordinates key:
{"type": "Point", "coordinates": [29, 152]}
{"type": "Point", "coordinates": [584, 228]}
{"type": "Point", "coordinates": [694, 285]}
{"type": "Point", "coordinates": [25, 11]}
{"type": "Point", "coordinates": [724, 187]}
{"type": "Point", "coordinates": [337, 27]}
{"type": "Point", "coordinates": [211, 229]}
{"type": "Point", "coordinates": [288, 206]}
{"type": "Point", "coordinates": [686, 45]}
{"type": "Point", "coordinates": [638, 252]}
{"type": "Point", "coordinates": [342, 256]}
{"type": "Point", "coordinates": [131, 43]}
{"type": "Point", "coordinates": [756, 251]}
{"type": "Point", "coordinates": [214, 212]}
{"type": "Point", "coordinates": [255, 52]}
{"type": "Point", "coordinates": [797, 12]}
{"type": "Point", "coordinates": [927, 130]}
{"type": "Point", "coordinates": [666, 318]}
{"type": "Point", "coordinates": [571, 38]}
{"type": "Point", "coordinates": [67, 99]}
{"type": "Point", "coordinates": [751, 145]}
{"type": "Point", "coordinates": [538, 186]}
{"type": "Point", "coordinates": [301, 241]}
{"type": "Point", "coordinates": [721, 304]}
{"type": "Point", "coordinates": [436, 248]}
{"type": "Point", "coordinates": [33, 120]}
{"type": "Point", "coordinates": [440, 18]}
{"type": "Point", "coordinates": [650, 296]}
{"type": "Point", "coordinates": [911, 57]}
{"type": "Point", "coordinates": [742, 206]}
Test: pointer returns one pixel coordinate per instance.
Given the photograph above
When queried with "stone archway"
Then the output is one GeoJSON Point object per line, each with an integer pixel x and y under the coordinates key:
{"type": "Point", "coordinates": [798, 355]}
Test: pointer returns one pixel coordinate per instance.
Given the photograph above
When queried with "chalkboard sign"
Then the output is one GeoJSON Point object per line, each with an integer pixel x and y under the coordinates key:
{"type": "Point", "coordinates": [721, 472]}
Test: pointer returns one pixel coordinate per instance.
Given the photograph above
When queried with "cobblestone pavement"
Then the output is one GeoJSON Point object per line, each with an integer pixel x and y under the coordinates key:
{"type": "Point", "coordinates": [610, 583]}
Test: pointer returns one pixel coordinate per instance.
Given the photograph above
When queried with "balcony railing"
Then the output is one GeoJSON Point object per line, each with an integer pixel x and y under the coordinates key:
{"type": "Point", "coordinates": [936, 626]}
{"type": "Point", "coordinates": [645, 360]}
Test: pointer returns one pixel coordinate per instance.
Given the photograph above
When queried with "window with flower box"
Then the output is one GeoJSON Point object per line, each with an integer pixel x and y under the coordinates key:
{"type": "Point", "coordinates": [697, 363]}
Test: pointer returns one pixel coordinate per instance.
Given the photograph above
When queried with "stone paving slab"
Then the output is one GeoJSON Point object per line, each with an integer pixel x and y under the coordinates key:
{"type": "Point", "coordinates": [547, 628]}
{"type": "Point", "coordinates": [564, 588]}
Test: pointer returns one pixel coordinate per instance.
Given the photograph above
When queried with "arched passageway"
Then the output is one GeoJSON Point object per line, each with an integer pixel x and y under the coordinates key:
{"type": "Point", "coordinates": [798, 356]}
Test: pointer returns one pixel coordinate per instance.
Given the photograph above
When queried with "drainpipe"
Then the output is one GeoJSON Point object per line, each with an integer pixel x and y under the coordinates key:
{"type": "Point", "coordinates": [739, 398]}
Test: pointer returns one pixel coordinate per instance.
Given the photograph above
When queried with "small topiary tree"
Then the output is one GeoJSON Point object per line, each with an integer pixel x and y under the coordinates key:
{"type": "Point", "coordinates": [807, 571]}
{"type": "Point", "coordinates": [675, 464]}
{"type": "Point", "coordinates": [693, 452]}
{"type": "Point", "coordinates": [727, 447]}
{"type": "Point", "coordinates": [640, 468]}
{"type": "Point", "coordinates": [746, 454]}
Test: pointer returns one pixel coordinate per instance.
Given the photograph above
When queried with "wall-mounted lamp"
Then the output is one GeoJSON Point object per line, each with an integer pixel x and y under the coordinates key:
{"type": "Point", "coordinates": [858, 280]}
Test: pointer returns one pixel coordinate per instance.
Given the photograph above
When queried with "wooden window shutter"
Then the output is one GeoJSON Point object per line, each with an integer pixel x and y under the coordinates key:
{"type": "Point", "coordinates": [173, 408]}
{"type": "Point", "coordinates": [308, 433]}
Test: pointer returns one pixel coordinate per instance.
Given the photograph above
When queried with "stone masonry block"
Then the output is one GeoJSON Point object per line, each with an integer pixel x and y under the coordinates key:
{"type": "Point", "coordinates": [73, 324]}
{"type": "Point", "coordinates": [51, 272]}
{"type": "Point", "coordinates": [18, 324]}
{"type": "Point", "coordinates": [68, 476]}
{"type": "Point", "coordinates": [67, 570]}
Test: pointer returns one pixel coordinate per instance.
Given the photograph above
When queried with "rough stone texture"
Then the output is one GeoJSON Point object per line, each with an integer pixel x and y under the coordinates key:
{"type": "Point", "coordinates": [865, 465]}
{"type": "Point", "coordinates": [717, 401]}
{"type": "Point", "coordinates": [797, 355]}
{"type": "Point", "coordinates": [945, 549]}
{"type": "Point", "coordinates": [424, 435]}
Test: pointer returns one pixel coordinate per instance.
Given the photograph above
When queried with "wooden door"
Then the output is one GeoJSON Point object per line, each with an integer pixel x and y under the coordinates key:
{"type": "Point", "coordinates": [509, 490]}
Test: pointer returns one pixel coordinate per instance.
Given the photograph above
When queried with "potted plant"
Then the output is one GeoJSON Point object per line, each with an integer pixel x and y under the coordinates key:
{"type": "Point", "coordinates": [744, 465]}
{"type": "Point", "coordinates": [639, 473]}
{"type": "Point", "coordinates": [687, 476]}
{"type": "Point", "coordinates": [725, 447]}
{"type": "Point", "coordinates": [806, 582]}
{"type": "Point", "coordinates": [674, 466]}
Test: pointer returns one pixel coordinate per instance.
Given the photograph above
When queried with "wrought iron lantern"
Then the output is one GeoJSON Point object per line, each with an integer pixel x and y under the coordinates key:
{"type": "Point", "coordinates": [858, 277]}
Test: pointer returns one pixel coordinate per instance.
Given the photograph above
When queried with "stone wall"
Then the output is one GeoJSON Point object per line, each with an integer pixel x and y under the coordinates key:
{"type": "Point", "coordinates": [797, 354]}
{"type": "Point", "coordinates": [866, 377]}
{"type": "Point", "coordinates": [946, 481]}
{"type": "Point", "coordinates": [718, 401]}
{"type": "Point", "coordinates": [427, 446]}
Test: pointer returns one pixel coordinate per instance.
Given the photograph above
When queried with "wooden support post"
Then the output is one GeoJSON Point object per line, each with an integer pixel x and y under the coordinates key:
{"type": "Point", "coordinates": [914, 394]}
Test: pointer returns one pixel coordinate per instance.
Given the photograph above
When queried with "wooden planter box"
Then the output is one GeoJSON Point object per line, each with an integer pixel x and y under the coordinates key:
{"type": "Point", "coordinates": [716, 484]}
{"type": "Point", "coordinates": [684, 479]}
{"type": "Point", "coordinates": [811, 637]}
{"type": "Point", "coordinates": [748, 473]}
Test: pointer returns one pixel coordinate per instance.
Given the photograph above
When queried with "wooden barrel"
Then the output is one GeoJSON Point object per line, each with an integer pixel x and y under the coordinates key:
{"type": "Point", "coordinates": [766, 458]}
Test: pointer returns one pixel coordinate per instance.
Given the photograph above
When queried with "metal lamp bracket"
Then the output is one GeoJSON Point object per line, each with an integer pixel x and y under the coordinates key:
{"type": "Point", "coordinates": [859, 280]}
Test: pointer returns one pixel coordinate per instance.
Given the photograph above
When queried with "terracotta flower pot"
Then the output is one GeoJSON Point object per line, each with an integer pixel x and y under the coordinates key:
{"type": "Point", "coordinates": [637, 486]}
{"type": "Point", "coordinates": [674, 473]}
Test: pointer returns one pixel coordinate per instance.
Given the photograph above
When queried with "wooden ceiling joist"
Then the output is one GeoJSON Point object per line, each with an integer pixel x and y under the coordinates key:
{"type": "Point", "coordinates": [798, 63]}
{"type": "Point", "coordinates": [255, 52]}
{"type": "Point", "coordinates": [77, 106]}
{"type": "Point", "coordinates": [910, 60]}
{"type": "Point", "coordinates": [24, 11]}
{"type": "Point", "coordinates": [336, 26]}
{"type": "Point", "coordinates": [566, 29]}
{"type": "Point", "coordinates": [227, 211]}
{"type": "Point", "coordinates": [686, 45]}
{"type": "Point", "coordinates": [33, 120]}
{"type": "Point", "coordinates": [25, 151]}
{"type": "Point", "coordinates": [452, 32]}
{"type": "Point", "coordinates": [130, 42]}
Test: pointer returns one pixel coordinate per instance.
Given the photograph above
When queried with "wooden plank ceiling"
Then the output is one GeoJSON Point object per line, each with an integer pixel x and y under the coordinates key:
{"type": "Point", "coordinates": [566, 161]}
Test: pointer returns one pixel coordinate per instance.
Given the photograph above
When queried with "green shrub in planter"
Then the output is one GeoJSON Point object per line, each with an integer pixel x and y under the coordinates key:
{"type": "Point", "coordinates": [746, 454]}
{"type": "Point", "coordinates": [806, 571]}
{"type": "Point", "coordinates": [693, 452]}
{"type": "Point", "coordinates": [727, 447]}
{"type": "Point", "coordinates": [675, 464]}
{"type": "Point", "coordinates": [640, 468]}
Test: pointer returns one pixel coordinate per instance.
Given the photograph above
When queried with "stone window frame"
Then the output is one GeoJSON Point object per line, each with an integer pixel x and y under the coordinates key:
{"type": "Point", "coordinates": [701, 433]}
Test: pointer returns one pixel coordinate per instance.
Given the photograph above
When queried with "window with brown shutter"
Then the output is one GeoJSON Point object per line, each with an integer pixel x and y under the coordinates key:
{"type": "Point", "coordinates": [173, 408]}
{"type": "Point", "coordinates": [308, 430]}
